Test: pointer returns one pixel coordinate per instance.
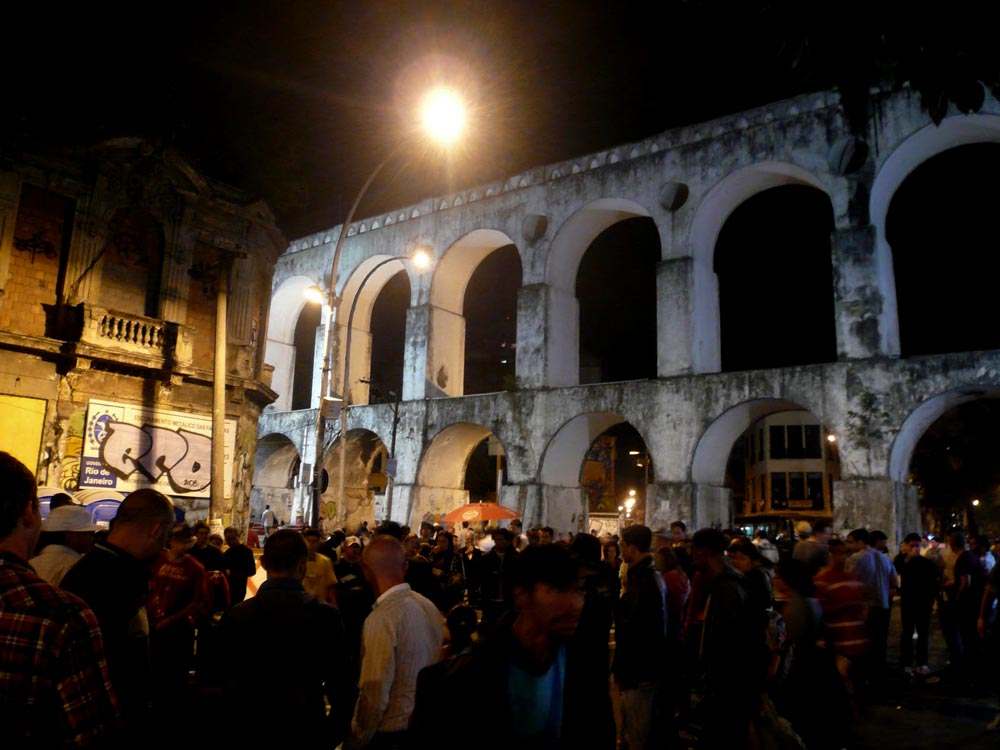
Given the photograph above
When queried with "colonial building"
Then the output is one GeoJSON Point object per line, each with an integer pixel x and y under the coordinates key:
{"type": "Point", "coordinates": [838, 326]}
{"type": "Point", "coordinates": [113, 263]}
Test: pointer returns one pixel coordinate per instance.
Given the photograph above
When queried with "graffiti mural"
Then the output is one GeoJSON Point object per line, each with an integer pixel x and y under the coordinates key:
{"type": "Point", "coordinates": [127, 447]}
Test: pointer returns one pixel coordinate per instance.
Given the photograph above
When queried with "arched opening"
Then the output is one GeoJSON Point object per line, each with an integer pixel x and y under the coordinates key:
{"type": "Point", "coordinates": [306, 334]}
{"type": "Point", "coordinates": [616, 291]}
{"type": "Point", "coordinates": [490, 309]}
{"type": "Point", "coordinates": [277, 468]}
{"type": "Point", "coordinates": [773, 264]}
{"type": "Point", "coordinates": [287, 304]}
{"type": "Point", "coordinates": [940, 230]}
{"type": "Point", "coordinates": [780, 470]}
{"type": "Point", "coordinates": [955, 465]}
{"type": "Point", "coordinates": [464, 463]}
{"type": "Point", "coordinates": [767, 463]}
{"type": "Point", "coordinates": [364, 483]}
{"type": "Point", "coordinates": [388, 329]}
{"type": "Point", "coordinates": [616, 472]}
{"type": "Point", "coordinates": [590, 467]}
{"type": "Point", "coordinates": [490, 302]}
{"type": "Point", "coordinates": [486, 472]}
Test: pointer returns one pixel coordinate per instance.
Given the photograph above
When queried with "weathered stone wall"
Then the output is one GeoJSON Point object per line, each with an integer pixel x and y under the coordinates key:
{"type": "Point", "coordinates": [687, 181]}
{"type": "Point", "coordinates": [70, 341]}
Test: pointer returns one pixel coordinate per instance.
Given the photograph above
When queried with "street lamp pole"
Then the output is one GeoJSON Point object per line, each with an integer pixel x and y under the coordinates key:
{"type": "Point", "coordinates": [444, 119]}
{"type": "Point", "coordinates": [328, 342]}
{"type": "Point", "coordinates": [420, 259]}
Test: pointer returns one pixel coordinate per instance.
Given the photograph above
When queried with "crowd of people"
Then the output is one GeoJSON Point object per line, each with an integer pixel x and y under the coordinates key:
{"type": "Point", "coordinates": [520, 638]}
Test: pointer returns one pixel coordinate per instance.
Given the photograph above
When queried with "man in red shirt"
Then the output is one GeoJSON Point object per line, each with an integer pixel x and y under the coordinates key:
{"type": "Point", "coordinates": [178, 594]}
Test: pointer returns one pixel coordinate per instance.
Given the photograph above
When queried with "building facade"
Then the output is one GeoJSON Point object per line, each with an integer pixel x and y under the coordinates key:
{"type": "Point", "coordinates": [868, 388]}
{"type": "Point", "coordinates": [112, 259]}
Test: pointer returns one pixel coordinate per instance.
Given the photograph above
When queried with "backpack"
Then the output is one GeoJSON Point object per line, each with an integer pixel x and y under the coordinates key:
{"type": "Point", "coordinates": [776, 637]}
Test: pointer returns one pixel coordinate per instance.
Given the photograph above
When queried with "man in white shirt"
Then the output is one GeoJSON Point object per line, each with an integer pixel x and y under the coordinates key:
{"type": "Point", "coordinates": [267, 520]}
{"type": "Point", "coordinates": [402, 635]}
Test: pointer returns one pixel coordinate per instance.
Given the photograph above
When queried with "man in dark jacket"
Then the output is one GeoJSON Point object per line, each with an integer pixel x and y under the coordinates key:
{"type": "Point", "coordinates": [539, 687]}
{"type": "Point", "coordinates": [641, 643]}
{"type": "Point", "coordinates": [727, 638]}
{"type": "Point", "coordinates": [293, 689]}
{"type": "Point", "coordinates": [919, 588]}
{"type": "Point", "coordinates": [113, 578]}
{"type": "Point", "coordinates": [495, 567]}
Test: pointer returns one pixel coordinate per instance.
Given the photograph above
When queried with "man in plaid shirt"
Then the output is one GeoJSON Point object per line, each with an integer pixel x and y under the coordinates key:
{"type": "Point", "coordinates": [54, 688]}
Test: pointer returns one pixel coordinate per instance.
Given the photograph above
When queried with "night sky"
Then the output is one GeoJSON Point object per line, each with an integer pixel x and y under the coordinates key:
{"type": "Point", "coordinates": [297, 100]}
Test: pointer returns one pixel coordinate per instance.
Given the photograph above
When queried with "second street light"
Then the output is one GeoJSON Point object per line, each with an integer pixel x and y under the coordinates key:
{"type": "Point", "coordinates": [443, 119]}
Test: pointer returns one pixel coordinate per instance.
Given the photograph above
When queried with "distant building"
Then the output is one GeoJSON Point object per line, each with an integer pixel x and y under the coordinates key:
{"type": "Point", "coordinates": [109, 258]}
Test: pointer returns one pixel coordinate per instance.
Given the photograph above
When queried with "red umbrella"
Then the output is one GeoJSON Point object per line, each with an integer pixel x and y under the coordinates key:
{"type": "Point", "coordinates": [480, 512]}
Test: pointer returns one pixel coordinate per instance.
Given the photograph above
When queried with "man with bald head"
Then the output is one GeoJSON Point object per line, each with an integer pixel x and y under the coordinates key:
{"type": "Point", "coordinates": [113, 578]}
{"type": "Point", "coordinates": [402, 635]}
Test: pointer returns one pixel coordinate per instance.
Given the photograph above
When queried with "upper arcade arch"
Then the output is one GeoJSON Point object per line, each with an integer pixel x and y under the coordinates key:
{"type": "Point", "coordinates": [710, 216]}
{"type": "Point", "coordinates": [287, 303]}
{"type": "Point", "coordinates": [357, 301]}
{"type": "Point", "coordinates": [446, 346]}
{"type": "Point", "coordinates": [579, 231]}
{"type": "Point", "coordinates": [910, 153]}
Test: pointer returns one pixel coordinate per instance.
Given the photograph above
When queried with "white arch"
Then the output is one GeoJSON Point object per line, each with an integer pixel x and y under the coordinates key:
{"type": "Point", "coordinates": [926, 143]}
{"type": "Point", "coordinates": [563, 458]}
{"type": "Point", "coordinates": [273, 461]}
{"type": "Point", "coordinates": [287, 303]}
{"type": "Point", "coordinates": [708, 466]}
{"type": "Point", "coordinates": [286, 306]}
{"type": "Point", "coordinates": [459, 262]}
{"type": "Point", "coordinates": [709, 218]}
{"type": "Point", "coordinates": [445, 363]}
{"type": "Point", "coordinates": [921, 418]}
{"type": "Point", "coordinates": [578, 232]}
{"type": "Point", "coordinates": [447, 455]}
{"type": "Point", "coordinates": [363, 299]}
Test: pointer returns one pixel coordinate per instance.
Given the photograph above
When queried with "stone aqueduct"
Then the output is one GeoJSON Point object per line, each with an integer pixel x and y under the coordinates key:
{"type": "Point", "coordinates": [687, 181]}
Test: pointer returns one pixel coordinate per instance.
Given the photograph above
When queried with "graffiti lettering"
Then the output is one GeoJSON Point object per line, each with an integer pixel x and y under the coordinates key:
{"type": "Point", "coordinates": [184, 456]}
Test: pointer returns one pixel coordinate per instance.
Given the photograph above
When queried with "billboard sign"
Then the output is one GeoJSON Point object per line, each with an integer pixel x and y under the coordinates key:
{"type": "Point", "coordinates": [126, 447]}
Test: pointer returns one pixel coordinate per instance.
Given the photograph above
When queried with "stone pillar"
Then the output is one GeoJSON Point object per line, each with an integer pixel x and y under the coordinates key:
{"type": "Point", "coordinates": [674, 317]}
{"type": "Point", "coordinates": [434, 354]}
{"type": "Point", "coordinates": [892, 507]}
{"type": "Point", "coordinates": [865, 313]}
{"type": "Point", "coordinates": [548, 349]}
{"type": "Point", "coordinates": [563, 508]}
{"type": "Point", "coordinates": [712, 506]}
{"type": "Point", "coordinates": [415, 353]}
{"type": "Point", "coordinates": [281, 357]}
{"type": "Point", "coordinates": [667, 502]}
{"type": "Point", "coordinates": [446, 353]}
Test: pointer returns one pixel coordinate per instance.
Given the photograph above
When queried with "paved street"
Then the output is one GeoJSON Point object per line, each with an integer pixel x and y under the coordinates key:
{"type": "Point", "coordinates": [928, 714]}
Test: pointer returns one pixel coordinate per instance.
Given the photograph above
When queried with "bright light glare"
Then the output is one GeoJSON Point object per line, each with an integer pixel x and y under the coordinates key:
{"type": "Point", "coordinates": [975, 502]}
{"type": "Point", "coordinates": [421, 259]}
{"type": "Point", "coordinates": [314, 294]}
{"type": "Point", "coordinates": [831, 438]}
{"type": "Point", "coordinates": [633, 453]}
{"type": "Point", "coordinates": [443, 115]}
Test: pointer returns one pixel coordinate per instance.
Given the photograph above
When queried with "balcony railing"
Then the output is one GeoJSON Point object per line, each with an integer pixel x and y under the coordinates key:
{"type": "Point", "coordinates": [136, 334]}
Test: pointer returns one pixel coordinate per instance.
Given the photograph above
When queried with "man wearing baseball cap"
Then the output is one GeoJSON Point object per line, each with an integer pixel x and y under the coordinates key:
{"type": "Point", "coordinates": [67, 535]}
